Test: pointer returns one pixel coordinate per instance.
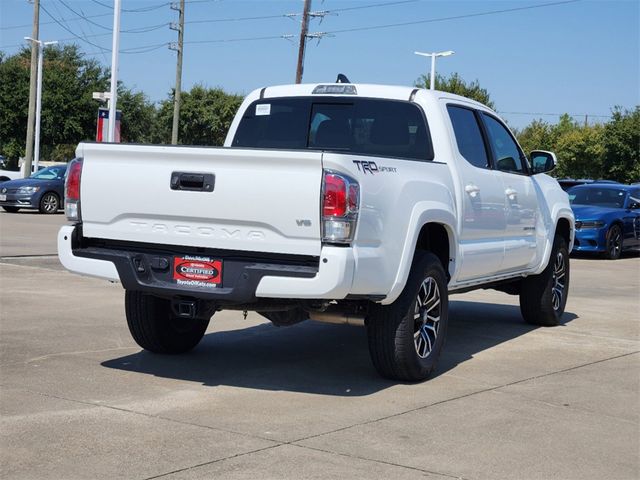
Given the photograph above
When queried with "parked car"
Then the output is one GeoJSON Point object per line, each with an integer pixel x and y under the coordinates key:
{"type": "Point", "coordinates": [43, 191]}
{"type": "Point", "coordinates": [567, 183]}
{"type": "Point", "coordinates": [8, 173]}
{"type": "Point", "coordinates": [341, 203]}
{"type": "Point", "coordinates": [607, 218]}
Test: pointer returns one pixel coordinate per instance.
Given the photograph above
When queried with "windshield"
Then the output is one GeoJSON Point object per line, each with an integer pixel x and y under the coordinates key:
{"type": "Point", "coordinates": [599, 197]}
{"type": "Point", "coordinates": [50, 173]}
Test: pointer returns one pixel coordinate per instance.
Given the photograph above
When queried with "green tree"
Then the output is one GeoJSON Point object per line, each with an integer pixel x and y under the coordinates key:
{"type": "Point", "coordinates": [69, 112]}
{"type": "Point", "coordinates": [621, 141]}
{"type": "Point", "coordinates": [205, 117]}
{"type": "Point", "coordinates": [454, 83]}
{"type": "Point", "coordinates": [536, 136]}
{"type": "Point", "coordinates": [138, 116]}
{"type": "Point", "coordinates": [580, 152]}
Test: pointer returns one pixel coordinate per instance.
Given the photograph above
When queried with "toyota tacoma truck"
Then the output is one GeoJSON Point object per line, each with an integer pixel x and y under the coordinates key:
{"type": "Point", "coordinates": [343, 203]}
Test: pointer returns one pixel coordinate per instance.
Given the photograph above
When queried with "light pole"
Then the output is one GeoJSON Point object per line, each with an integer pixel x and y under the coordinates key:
{"type": "Point", "coordinates": [41, 45]}
{"type": "Point", "coordinates": [114, 71]}
{"type": "Point", "coordinates": [433, 56]}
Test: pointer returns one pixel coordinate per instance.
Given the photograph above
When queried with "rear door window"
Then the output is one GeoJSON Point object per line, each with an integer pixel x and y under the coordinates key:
{"type": "Point", "coordinates": [371, 127]}
{"type": "Point", "coordinates": [468, 136]}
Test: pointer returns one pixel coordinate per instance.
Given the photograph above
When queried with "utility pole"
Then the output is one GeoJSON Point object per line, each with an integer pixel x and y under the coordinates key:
{"type": "Point", "coordinates": [41, 45]}
{"type": "Point", "coordinates": [303, 40]}
{"type": "Point", "coordinates": [114, 71]}
{"type": "Point", "coordinates": [32, 88]}
{"type": "Point", "coordinates": [178, 89]}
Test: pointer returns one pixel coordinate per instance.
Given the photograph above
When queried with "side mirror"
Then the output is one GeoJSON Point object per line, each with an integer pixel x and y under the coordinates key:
{"type": "Point", "coordinates": [542, 161]}
{"type": "Point", "coordinates": [634, 204]}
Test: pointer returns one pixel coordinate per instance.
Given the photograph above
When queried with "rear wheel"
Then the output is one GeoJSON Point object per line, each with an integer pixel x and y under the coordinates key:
{"type": "Point", "coordinates": [154, 326]}
{"type": "Point", "coordinates": [614, 242]}
{"type": "Point", "coordinates": [406, 337]}
{"type": "Point", "coordinates": [49, 203]}
{"type": "Point", "coordinates": [544, 296]}
{"type": "Point", "coordinates": [11, 209]}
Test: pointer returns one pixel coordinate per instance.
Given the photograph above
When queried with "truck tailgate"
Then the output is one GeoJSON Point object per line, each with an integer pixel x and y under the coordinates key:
{"type": "Point", "coordinates": [261, 200]}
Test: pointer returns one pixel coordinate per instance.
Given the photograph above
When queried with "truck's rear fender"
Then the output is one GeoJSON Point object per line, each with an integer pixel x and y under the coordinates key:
{"type": "Point", "coordinates": [425, 216]}
{"type": "Point", "coordinates": [397, 197]}
{"type": "Point", "coordinates": [556, 216]}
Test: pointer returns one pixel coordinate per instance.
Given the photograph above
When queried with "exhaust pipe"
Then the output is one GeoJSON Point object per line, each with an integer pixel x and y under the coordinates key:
{"type": "Point", "coordinates": [337, 318]}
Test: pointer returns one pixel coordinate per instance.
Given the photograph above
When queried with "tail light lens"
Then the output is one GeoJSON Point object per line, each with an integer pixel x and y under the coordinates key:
{"type": "Point", "coordinates": [72, 190]}
{"type": "Point", "coordinates": [340, 206]}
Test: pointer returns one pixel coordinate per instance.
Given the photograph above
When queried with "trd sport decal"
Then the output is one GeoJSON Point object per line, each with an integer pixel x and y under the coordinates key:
{"type": "Point", "coordinates": [197, 271]}
{"type": "Point", "coordinates": [372, 167]}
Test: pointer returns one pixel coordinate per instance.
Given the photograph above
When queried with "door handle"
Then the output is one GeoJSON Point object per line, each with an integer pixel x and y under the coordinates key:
{"type": "Point", "coordinates": [472, 189]}
{"type": "Point", "coordinates": [195, 182]}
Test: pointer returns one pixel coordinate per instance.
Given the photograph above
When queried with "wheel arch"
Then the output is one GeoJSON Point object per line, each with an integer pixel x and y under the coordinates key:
{"type": "Point", "coordinates": [432, 228]}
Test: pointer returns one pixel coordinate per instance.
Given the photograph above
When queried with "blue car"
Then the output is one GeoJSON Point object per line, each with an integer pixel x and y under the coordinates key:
{"type": "Point", "coordinates": [43, 191]}
{"type": "Point", "coordinates": [607, 218]}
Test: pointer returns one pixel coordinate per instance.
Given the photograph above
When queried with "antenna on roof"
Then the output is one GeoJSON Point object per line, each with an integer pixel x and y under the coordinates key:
{"type": "Point", "coordinates": [342, 78]}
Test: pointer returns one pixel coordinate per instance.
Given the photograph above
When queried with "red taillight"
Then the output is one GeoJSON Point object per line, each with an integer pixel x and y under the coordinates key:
{"type": "Point", "coordinates": [72, 187]}
{"type": "Point", "coordinates": [335, 196]}
{"type": "Point", "coordinates": [72, 190]}
{"type": "Point", "coordinates": [340, 204]}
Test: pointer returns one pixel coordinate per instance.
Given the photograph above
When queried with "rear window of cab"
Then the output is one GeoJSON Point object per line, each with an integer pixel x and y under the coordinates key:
{"type": "Point", "coordinates": [357, 126]}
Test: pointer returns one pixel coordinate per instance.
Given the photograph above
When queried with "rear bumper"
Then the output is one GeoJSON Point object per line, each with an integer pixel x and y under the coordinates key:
{"type": "Point", "coordinates": [244, 279]}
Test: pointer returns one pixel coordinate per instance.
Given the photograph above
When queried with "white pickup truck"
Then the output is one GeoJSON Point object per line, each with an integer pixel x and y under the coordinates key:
{"type": "Point", "coordinates": [344, 203]}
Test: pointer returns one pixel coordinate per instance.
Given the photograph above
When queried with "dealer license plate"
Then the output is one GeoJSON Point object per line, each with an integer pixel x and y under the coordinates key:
{"type": "Point", "coordinates": [197, 271]}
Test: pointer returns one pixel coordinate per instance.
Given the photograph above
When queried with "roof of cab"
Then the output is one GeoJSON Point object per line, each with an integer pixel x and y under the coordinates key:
{"type": "Point", "coordinates": [393, 92]}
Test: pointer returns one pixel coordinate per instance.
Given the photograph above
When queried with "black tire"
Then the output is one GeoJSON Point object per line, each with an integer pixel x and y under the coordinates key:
{"type": "Point", "coordinates": [11, 209]}
{"type": "Point", "coordinates": [614, 242]}
{"type": "Point", "coordinates": [392, 329]}
{"type": "Point", "coordinates": [544, 296]}
{"type": "Point", "coordinates": [49, 203]}
{"type": "Point", "coordinates": [155, 328]}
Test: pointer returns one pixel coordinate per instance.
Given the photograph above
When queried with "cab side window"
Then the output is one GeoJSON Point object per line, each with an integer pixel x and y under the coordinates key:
{"type": "Point", "coordinates": [507, 155]}
{"type": "Point", "coordinates": [468, 136]}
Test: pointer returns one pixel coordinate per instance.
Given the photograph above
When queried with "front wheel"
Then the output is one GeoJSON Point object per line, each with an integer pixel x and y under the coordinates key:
{"type": "Point", "coordinates": [544, 296]}
{"type": "Point", "coordinates": [614, 243]}
{"type": "Point", "coordinates": [49, 203]}
{"type": "Point", "coordinates": [154, 326]}
{"type": "Point", "coordinates": [406, 337]}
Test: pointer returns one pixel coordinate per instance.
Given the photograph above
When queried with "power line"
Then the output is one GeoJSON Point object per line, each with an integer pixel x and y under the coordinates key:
{"type": "Point", "coordinates": [455, 17]}
{"type": "Point", "coordinates": [292, 15]}
{"type": "Point", "coordinates": [71, 31]}
{"type": "Point", "coordinates": [13, 27]}
{"type": "Point", "coordinates": [555, 114]}
{"type": "Point", "coordinates": [83, 17]}
{"type": "Point", "coordinates": [135, 10]}
{"type": "Point", "coordinates": [245, 39]}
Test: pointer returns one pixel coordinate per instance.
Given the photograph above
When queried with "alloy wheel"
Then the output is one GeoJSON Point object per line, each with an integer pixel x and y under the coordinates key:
{"type": "Point", "coordinates": [50, 203]}
{"type": "Point", "coordinates": [426, 317]}
{"type": "Point", "coordinates": [615, 242]}
{"type": "Point", "coordinates": [558, 281]}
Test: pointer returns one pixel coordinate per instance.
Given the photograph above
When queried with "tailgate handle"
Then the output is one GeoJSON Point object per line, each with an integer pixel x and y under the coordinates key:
{"type": "Point", "coordinates": [194, 182]}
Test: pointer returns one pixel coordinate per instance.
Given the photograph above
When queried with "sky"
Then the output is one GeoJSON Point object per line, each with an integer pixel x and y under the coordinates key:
{"type": "Point", "coordinates": [537, 59]}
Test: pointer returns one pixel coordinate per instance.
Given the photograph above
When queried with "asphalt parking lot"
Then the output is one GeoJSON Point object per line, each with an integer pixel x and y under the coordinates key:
{"type": "Point", "coordinates": [80, 400]}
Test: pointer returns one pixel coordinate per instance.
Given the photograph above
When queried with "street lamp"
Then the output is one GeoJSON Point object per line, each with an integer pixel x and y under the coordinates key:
{"type": "Point", "coordinates": [433, 63]}
{"type": "Point", "coordinates": [114, 71]}
{"type": "Point", "coordinates": [41, 45]}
